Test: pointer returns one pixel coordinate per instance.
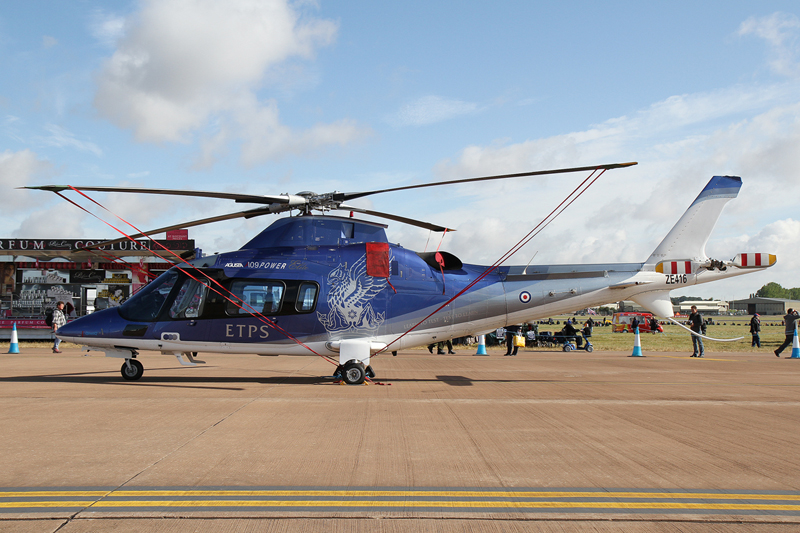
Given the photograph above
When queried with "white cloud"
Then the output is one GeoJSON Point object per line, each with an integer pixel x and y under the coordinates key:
{"type": "Point", "coordinates": [20, 169]}
{"type": "Point", "coordinates": [62, 138]}
{"type": "Point", "coordinates": [60, 222]}
{"type": "Point", "coordinates": [183, 65]}
{"type": "Point", "coordinates": [265, 137]}
{"type": "Point", "coordinates": [9, 128]}
{"type": "Point", "coordinates": [49, 41]}
{"type": "Point", "coordinates": [780, 31]}
{"type": "Point", "coordinates": [32, 214]}
{"type": "Point", "coordinates": [107, 28]}
{"type": "Point", "coordinates": [681, 142]}
{"type": "Point", "coordinates": [431, 109]}
{"type": "Point", "coordinates": [669, 127]}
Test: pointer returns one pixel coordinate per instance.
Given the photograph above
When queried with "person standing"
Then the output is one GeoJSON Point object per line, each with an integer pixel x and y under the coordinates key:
{"type": "Point", "coordinates": [59, 319]}
{"type": "Point", "coordinates": [755, 330]}
{"type": "Point", "coordinates": [788, 321]}
{"type": "Point", "coordinates": [511, 346]}
{"type": "Point", "coordinates": [696, 325]}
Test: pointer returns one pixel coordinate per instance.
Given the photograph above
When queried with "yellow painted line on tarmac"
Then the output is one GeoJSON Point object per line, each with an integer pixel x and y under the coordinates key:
{"type": "Point", "coordinates": [460, 494]}
{"type": "Point", "coordinates": [450, 504]}
{"type": "Point", "coordinates": [400, 499]}
{"type": "Point", "coordinates": [54, 493]}
{"type": "Point", "coordinates": [401, 493]}
{"type": "Point", "coordinates": [57, 503]}
{"type": "Point", "coordinates": [406, 504]}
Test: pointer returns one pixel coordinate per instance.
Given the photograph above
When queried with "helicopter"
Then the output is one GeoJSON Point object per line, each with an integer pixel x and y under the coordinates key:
{"type": "Point", "coordinates": [333, 286]}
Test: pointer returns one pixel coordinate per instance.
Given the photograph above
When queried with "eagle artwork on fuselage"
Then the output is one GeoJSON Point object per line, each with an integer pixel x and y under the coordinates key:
{"type": "Point", "coordinates": [350, 291]}
{"type": "Point", "coordinates": [335, 287]}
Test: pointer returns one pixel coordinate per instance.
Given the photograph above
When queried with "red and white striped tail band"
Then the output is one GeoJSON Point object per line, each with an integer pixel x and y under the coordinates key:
{"type": "Point", "coordinates": [754, 260]}
{"type": "Point", "coordinates": [675, 267]}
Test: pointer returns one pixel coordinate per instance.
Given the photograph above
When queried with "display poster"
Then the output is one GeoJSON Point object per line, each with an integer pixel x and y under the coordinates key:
{"type": "Point", "coordinates": [7, 278]}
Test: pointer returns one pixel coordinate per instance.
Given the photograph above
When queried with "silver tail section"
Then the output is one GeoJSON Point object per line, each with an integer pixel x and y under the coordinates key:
{"type": "Point", "coordinates": [681, 257]}
{"type": "Point", "coordinates": [687, 239]}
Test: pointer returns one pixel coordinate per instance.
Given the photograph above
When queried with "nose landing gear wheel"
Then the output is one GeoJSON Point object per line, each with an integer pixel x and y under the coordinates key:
{"type": "Point", "coordinates": [132, 371]}
{"type": "Point", "coordinates": [353, 373]}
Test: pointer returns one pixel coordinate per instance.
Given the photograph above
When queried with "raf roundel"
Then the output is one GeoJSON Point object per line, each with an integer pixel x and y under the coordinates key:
{"type": "Point", "coordinates": [524, 297]}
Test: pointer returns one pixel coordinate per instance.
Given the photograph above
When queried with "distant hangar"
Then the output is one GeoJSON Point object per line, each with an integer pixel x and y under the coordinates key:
{"type": "Point", "coordinates": [764, 306]}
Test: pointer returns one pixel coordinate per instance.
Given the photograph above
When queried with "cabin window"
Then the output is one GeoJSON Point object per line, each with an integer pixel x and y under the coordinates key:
{"type": "Point", "coordinates": [306, 297]}
{"type": "Point", "coordinates": [256, 296]}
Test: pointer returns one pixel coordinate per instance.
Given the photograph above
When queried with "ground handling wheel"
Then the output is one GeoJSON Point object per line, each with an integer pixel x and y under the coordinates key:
{"type": "Point", "coordinates": [353, 373]}
{"type": "Point", "coordinates": [132, 369]}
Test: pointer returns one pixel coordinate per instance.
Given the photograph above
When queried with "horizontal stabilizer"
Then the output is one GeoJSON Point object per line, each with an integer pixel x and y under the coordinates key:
{"type": "Point", "coordinates": [688, 238]}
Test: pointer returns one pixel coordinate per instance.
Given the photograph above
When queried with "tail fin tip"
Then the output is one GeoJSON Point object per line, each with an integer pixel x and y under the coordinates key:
{"type": "Point", "coordinates": [687, 239]}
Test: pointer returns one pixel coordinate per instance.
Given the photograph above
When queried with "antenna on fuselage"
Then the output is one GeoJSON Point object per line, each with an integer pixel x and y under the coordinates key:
{"type": "Point", "coordinates": [525, 270]}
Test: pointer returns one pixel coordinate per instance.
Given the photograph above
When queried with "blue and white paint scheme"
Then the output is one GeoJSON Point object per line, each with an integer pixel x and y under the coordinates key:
{"type": "Point", "coordinates": [310, 275]}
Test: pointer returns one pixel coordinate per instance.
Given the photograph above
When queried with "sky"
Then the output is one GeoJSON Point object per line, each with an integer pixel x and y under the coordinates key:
{"type": "Point", "coordinates": [271, 97]}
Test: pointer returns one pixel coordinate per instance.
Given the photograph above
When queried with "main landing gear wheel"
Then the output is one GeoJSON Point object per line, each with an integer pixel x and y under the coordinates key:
{"type": "Point", "coordinates": [132, 369]}
{"type": "Point", "coordinates": [353, 373]}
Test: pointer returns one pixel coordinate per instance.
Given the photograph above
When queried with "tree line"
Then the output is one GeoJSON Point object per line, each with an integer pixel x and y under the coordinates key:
{"type": "Point", "coordinates": [774, 290]}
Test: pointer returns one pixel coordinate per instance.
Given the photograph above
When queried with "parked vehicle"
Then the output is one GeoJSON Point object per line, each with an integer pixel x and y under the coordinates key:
{"type": "Point", "coordinates": [621, 322]}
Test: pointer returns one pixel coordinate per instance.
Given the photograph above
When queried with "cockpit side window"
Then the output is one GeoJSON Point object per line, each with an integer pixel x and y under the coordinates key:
{"type": "Point", "coordinates": [189, 301]}
{"type": "Point", "coordinates": [146, 304]}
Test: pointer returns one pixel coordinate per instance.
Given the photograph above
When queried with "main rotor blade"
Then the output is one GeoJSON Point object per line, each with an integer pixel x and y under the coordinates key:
{"type": "Point", "coordinates": [396, 218]}
{"type": "Point", "coordinates": [244, 198]}
{"type": "Point", "coordinates": [352, 195]}
{"type": "Point", "coordinates": [250, 213]}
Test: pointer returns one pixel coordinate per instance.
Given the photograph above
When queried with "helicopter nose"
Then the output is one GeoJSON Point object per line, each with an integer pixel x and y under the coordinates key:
{"type": "Point", "coordinates": [98, 324]}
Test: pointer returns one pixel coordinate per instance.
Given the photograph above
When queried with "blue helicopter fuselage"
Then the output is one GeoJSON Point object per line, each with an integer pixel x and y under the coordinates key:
{"type": "Point", "coordinates": [309, 282]}
{"type": "Point", "coordinates": [335, 286]}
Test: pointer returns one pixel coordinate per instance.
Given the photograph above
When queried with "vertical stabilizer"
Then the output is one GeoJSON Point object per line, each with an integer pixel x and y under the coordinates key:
{"type": "Point", "coordinates": [687, 239]}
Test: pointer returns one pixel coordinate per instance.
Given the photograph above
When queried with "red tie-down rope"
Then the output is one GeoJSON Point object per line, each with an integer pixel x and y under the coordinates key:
{"type": "Point", "coordinates": [574, 195]}
{"type": "Point", "coordinates": [250, 311]}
